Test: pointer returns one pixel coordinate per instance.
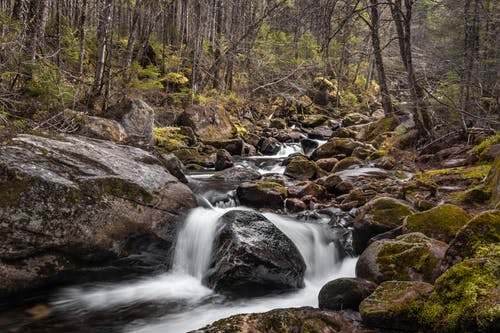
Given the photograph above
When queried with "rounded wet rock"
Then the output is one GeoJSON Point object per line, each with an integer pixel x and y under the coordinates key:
{"type": "Point", "coordinates": [301, 168]}
{"type": "Point", "coordinates": [262, 194]}
{"type": "Point", "coordinates": [344, 293]}
{"type": "Point", "coordinates": [237, 173]}
{"type": "Point", "coordinates": [378, 216]}
{"type": "Point", "coordinates": [410, 257]}
{"type": "Point", "coordinates": [252, 256]}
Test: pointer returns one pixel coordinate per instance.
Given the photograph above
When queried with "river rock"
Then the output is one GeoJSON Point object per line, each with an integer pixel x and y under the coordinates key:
{"type": "Point", "coordinates": [223, 160]}
{"type": "Point", "coordinates": [344, 293]}
{"type": "Point", "coordinates": [395, 305]}
{"type": "Point", "coordinates": [327, 164]}
{"type": "Point", "coordinates": [262, 194]}
{"type": "Point", "coordinates": [252, 256]}
{"type": "Point", "coordinates": [137, 119]}
{"type": "Point", "coordinates": [308, 145]}
{"type": "Point", "coordinates": [377, 216]}
{"type": "Point", "coordinates": [480, 237]}
{"type": "Point", "coordinates": [321, 133]}
{"type": "Point", "coordinates": [313, 120]}
{"type": "Point", "coordinates": [72, 200]}
{"type": "Point", "coordinates": [301, 168]}
{"type": "Point", "coordinates": [465, 298]}
{"type": "Point", "coordinates": [307, 189]}
{"type": "Point", "coordinates": [410, 257]}
{"type": "Point", "coordinates": [237, 173]}
{"type": "Point", "coordinates": [102, 128]}
{"type": "Point", "coordinates": [493, 182]}
{"type": "Point", "coordinates": [336, 147]}
{"type": "Point", "coordinates": [294, 205]}
{"type": "Point", "coordinates": [175, 166]}
{"type": "Point", "coordinates": [347, 163]}
{"type": "Point", "coordinates": [278, 123]}
{"type": "Point", "coordinates": [294, 320]}
{"type": "Point", "coordinates": [269, 146]}
{"type": "Point", "coordinates": [442, 222]}
{"type": "Point", "coordinates": [232, 146]}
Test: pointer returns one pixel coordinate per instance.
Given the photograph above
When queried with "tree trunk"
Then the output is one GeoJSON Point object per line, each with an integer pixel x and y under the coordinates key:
{"type": "Point", "coordinates": [379, 63]}
{"type": "Point", "coordinates": [402, 20]}
{"type": "Point", "coordinates": [102, 37]}
{"type": "Point", "coordinates": [81, 37]}
{"type": "Point", "coordinates": [38, 15]}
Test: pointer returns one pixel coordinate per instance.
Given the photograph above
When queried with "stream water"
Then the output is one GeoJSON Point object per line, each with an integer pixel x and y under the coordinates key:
{"type": "Point", "coordinates": [186, 303]}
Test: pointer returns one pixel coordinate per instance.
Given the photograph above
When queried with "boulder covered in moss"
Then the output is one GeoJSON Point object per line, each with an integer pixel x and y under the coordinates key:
{"type": "Point", "coordinates": [68, 201]}
{"type": "Point", "coordinates": [344, 293]}
{"type": "Point", "coordinates": [478, 238]}
{"type": "Point", "coordinates": [395, 305]}
{"type": "Point", "coordinates": [442, 222]}
{"type": "Point", "coordinates": [336, 147]}
{"type": "Point", "coordinates": [466, 298]}
{"type": "Point", "coordinates": [190, 156]}
{"type": "Point", "coordinates": [307, 189]}
{"type": "Point", "coordinates": [233, 146]}
{"type": "Point", "coordinates": [305, 320]}
{"type": "Point", "coordinates": [378, 216]}
{"type": "Point", "coordinates": [253, 257]}
{"type": "Point", "coordinates": [301, 168]}
{"type": "Point", "coordinates": [410, 257]}
{"type": "Point", "coordinates": [262, 194]}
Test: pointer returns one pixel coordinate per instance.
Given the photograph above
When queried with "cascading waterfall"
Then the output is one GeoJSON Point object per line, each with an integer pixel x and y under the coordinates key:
{"type": "Point", "coordinates": [183, 284]}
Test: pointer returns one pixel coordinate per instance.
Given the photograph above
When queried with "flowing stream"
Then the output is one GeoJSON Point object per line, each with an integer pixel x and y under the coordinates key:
{"type": "Point", "coordinates": [191, 305]}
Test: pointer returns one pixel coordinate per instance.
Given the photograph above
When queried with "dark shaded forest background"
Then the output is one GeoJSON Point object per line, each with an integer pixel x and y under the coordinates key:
{"type": "Point", "coordinates": [436, 59]}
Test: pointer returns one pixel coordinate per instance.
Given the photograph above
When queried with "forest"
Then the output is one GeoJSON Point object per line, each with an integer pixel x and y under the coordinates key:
{"type": "Point", "coordinates": [249, 166]}
{"type": "Point", "coordinates": [439, 59]}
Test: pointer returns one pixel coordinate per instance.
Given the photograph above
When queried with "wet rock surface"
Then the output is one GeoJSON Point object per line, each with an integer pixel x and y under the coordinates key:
{"type": "Point", "coordinates": [252, 256]}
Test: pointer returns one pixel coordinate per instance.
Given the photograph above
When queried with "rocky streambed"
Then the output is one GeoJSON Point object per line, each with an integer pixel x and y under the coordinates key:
{"type": "Point", "coordinates": [101, 236]}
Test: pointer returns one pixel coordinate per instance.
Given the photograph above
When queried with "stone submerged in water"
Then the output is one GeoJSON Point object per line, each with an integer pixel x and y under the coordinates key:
{"type": "Point", "coordinates": [252, 257]}
{"type": "Point", "coordinates": [72, 201]}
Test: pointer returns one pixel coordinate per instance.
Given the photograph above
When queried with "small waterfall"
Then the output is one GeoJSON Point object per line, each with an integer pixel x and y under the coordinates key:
{"type": "Point", "coordinates": [195, 241]}
{"type": "Point", "coordinates": [320, 254]}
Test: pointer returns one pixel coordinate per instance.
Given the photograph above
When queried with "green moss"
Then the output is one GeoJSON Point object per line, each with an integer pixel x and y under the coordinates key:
{"type": "Point", "coordinates": [169, 139]}
{"type": "Point", "coordinates": [125, 190]}
{"type": "Point", "coordinates": [388, 209]}
{"type": "Point", "coordinates": [301, 168]}
{"type": "Point", "coordinates": [276, 186]}
{"type": "Point", "coordinates": [406, 258]}
{"type": "Point", "coordinates": [475, 172]}
{"type": "Point", "coordinates": [477, 195]}
{"type": "Point", "coordinates": [482, 149]}
{"type": "Point", "coordinates": [481, 236]}
{"type": "Point", "coordinates": [465, 298]}
{"type": "Point", "coordinates": [442, 222]}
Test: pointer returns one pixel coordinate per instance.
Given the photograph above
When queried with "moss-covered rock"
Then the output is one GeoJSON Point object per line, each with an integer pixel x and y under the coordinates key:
{"type": "Point", "coordinates": [304, 320]}
{"type": "Point", "coordinates": [313, 120]}
{"type": "Point", "coordinates": [344, 293]}
{"type": "Point", "coordinates": [169, 139]}
{"type": "Point", "coordinates": [466, 298]}
{"type": "Point", "coordinates": [262, 194]}
{"type": "Point", "coordinates": [301, 168]}
{"type": "Point", "coordinates": [378, 216]}
{"type": "Point", "coordinates": [354, 119]}
{"type": "Point", "coordinates": [442, 222]}
{"type": "Point", "coordinates": [410, 257]}
{"type": "Point", "coordinates": [193, 156]}
{"type": "Point", "coordinates": [347, 163]}
{"type": "Point", "coordinates": [481, 151]}
{"type": "Point", "coordinates": [70, 200]}
{"type": "Point", "coordinates": [336, 147]}
{"type": "Point", "coordinates": [478, 238]}
{"type": "Point", "coordinates": [395, 305]}
{"type": "Point", "coordinates": [374, 130]}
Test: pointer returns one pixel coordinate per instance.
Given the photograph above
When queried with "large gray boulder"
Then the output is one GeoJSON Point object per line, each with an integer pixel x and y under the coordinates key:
{"type": "Point", "coordinates": [73, 200]}
{"type": "Point", "coordinates": [252, 256]}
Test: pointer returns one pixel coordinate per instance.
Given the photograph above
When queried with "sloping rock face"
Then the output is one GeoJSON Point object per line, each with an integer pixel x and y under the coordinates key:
{"type": "Point", "coordinates": [69, 201]}
{"type": "Point", "coordinates": [252, 256]}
